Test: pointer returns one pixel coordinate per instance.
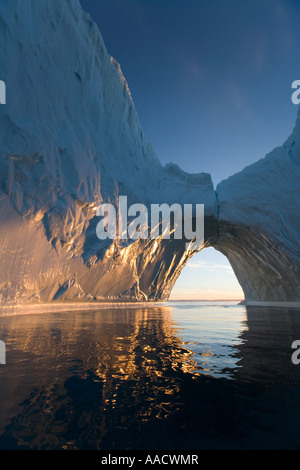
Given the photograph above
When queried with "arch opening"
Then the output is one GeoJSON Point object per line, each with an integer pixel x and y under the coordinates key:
{"type": "Point", "coordinates": [208, 275]}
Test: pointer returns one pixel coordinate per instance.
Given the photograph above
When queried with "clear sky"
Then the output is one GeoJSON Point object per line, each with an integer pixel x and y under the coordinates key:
{"type": "Point", "coordinates": [211, 82]}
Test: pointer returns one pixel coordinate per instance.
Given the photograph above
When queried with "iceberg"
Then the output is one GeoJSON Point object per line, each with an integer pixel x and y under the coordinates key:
{"type": "Point", "coordinates": [71, 139]}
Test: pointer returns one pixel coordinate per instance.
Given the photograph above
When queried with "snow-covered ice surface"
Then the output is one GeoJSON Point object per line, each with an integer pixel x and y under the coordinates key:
{"type": "Point", "coordinates": [70, 138]}
{"type": "Point", "coordinates": [260, 223]}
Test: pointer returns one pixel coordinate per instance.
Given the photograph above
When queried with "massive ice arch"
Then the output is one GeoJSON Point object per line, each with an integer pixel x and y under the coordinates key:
{"type": "Point", "coordinates": [70, 139]}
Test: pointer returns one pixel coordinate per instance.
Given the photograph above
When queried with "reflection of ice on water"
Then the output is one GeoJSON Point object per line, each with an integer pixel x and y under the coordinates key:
{"type": "Point", "coordinates": [120, 379]}
{"type": "Point", "coordinates": [108, 368]}
{"type": "Point", "coordinates": [212, 332]}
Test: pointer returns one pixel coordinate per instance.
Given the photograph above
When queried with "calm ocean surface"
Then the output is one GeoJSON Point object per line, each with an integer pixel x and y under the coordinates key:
{"type": "Point", "coordinates": [194, 375]}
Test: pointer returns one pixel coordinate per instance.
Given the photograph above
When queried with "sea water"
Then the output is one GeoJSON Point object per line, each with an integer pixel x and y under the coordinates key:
{"type": "Point", "coordinates": [191, 375]}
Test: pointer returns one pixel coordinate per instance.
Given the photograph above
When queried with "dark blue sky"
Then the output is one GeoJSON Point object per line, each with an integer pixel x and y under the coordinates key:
{"type": "Point", "coordinates": [210, 79]}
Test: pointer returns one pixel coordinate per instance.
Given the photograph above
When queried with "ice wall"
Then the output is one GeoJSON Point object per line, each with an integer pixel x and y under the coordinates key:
{"type": "Point", "coordinates": [70, 138]}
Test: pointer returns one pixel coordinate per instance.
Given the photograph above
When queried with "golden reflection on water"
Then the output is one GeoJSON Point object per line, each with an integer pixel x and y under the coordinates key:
{"type": "Point", "coordinates": [102, 365]}
{"type": "Point", "coordinates": [131, 379]}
